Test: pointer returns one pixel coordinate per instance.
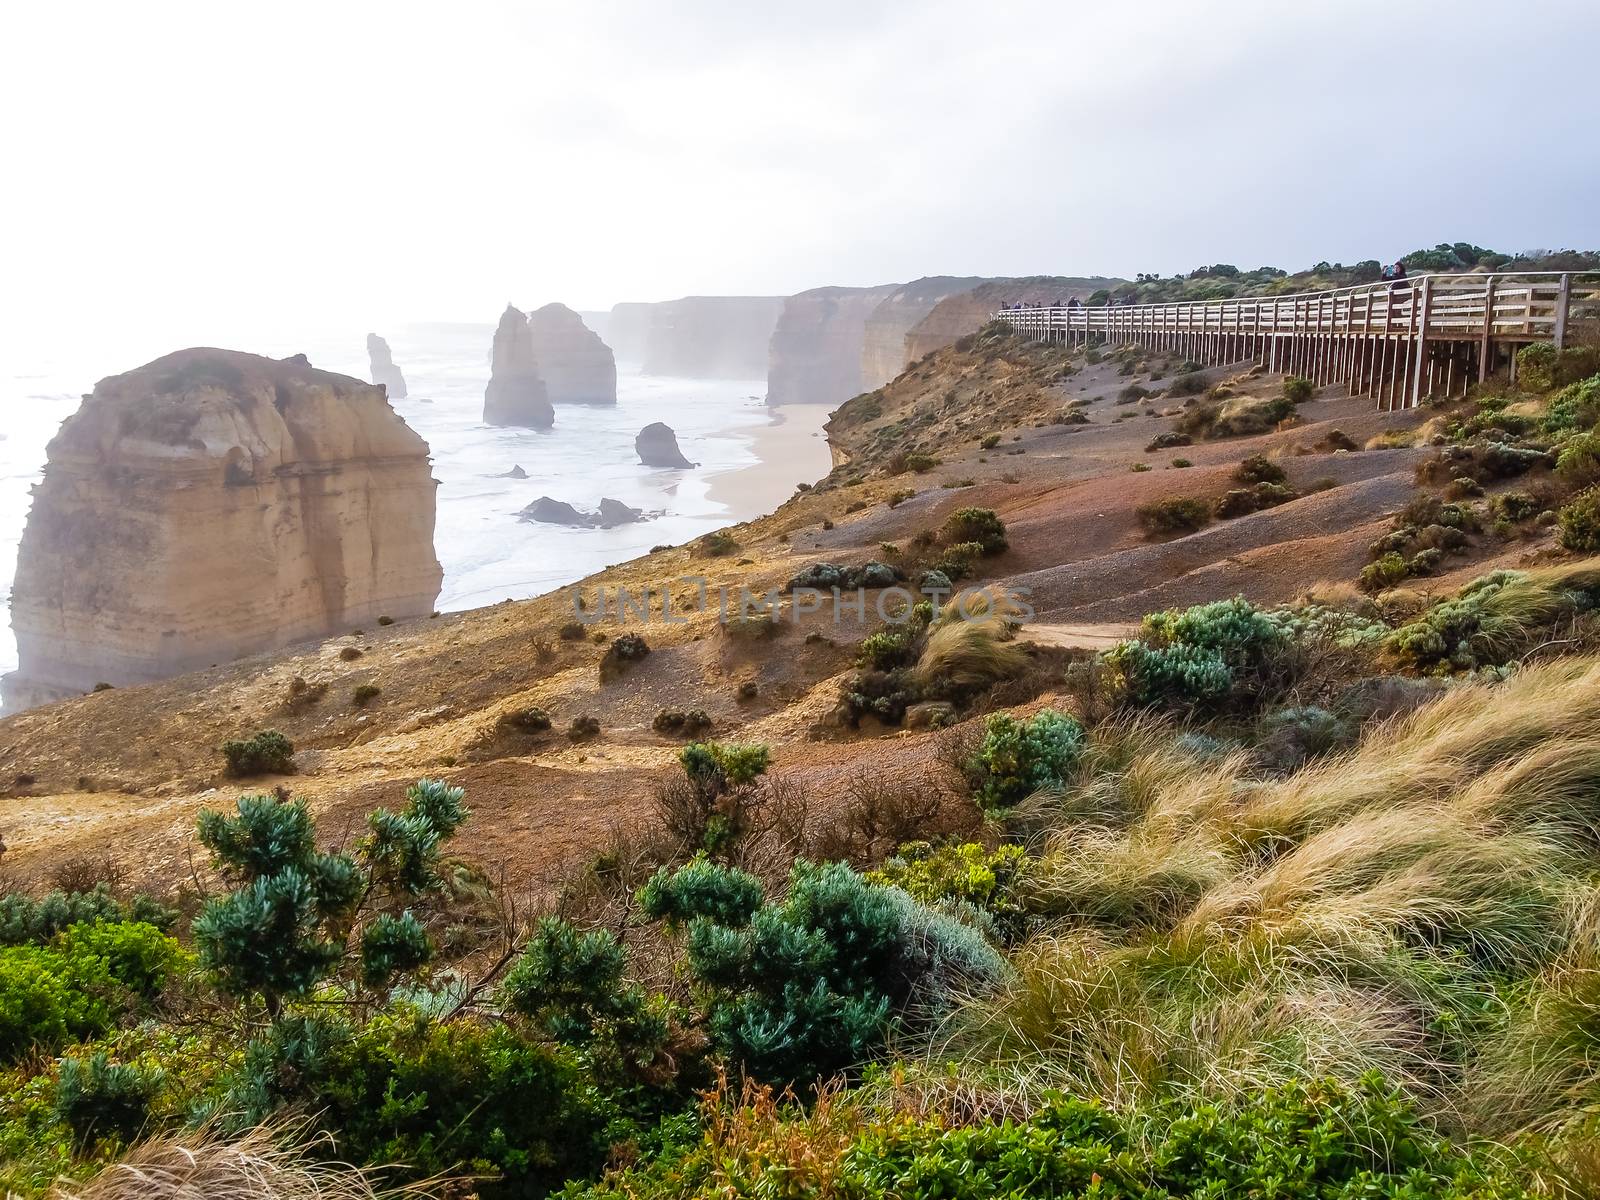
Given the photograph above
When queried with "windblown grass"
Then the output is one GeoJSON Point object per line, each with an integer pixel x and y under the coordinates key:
{"type": "Point", "coordinates": [266, 1163]}
{"type": "Point", "coordinates": [970, 646]}
{"type": "Point", "coordinates": [1423, 904]}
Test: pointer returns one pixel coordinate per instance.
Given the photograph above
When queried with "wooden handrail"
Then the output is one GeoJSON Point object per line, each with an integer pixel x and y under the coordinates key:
{"type": "Point", "coordinates": [1434, 327]}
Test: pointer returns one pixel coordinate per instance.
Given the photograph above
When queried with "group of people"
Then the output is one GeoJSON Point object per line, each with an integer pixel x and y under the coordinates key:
{"type": "Point", "coordinates": [1069, 302]}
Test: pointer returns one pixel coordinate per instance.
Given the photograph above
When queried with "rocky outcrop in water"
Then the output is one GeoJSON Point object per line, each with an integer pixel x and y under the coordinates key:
{"type": "Point", "coordinates": [962, 313]}
{"type": "Point", "coordinates": [817, 346]}
{"type": "Point", "coordinates": [516, 394]}
{"type": "Point", "coordinates": [516, 472]}
{"type": "Point", "coordinates": [558, 512]}
{"type": "Point", "coordinates": [383, 370]}
{"type": "Point", "coordinates": [213, 504]}
{"type": "Point", "coordinates": [576, 366]}
{"type": "Point", "coordinates": [657, 446]}
{"type": "Point", "coordinates": [711, 337]}
{"type": "Point", "coordinates": [883, 349]}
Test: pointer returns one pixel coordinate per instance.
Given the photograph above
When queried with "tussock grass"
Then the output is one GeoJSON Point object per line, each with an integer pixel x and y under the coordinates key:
{"type": "Point", "coordinates": [971, 646]}
{"type": "Point", "coordinates": [266, 1163]}
{"type": "Point", "coordinates": [1424, 904]}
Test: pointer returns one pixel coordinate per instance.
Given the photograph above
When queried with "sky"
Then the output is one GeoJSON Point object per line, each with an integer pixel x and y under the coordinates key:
{"type": "Point", "coordinates": [212, 167]}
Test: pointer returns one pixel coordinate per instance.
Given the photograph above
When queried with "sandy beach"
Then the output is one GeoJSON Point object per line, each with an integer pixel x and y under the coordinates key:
{"type": "Point", "coordinates": [791, 449]}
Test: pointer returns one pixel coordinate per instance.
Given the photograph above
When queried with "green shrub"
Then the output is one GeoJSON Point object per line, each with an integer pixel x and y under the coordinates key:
{"type": "Point", "coordinates": [1258, 468]}
{"type": "Point", "coordinates": [916, 462]}
{"type": "Point", "coordinates": [1541, 366]}
{"type": "Point", "coordinates": [461, 1097]}
{"type": "Point", "coordinates": [802, 991]}
{"type": "Point", "coordinates": [1297, 389]}
{"type": "Point", "coordinates": [265, 753]}
{"type": "Point", "coordinates": [573, 631]}
{"type": "Point", "coordinates": [1240, 502]}
{"type": "Point", "coordinates": [98, 1098]}
{"type": "Point", "coordinates": [701, 888]}
{"type": "Point", "coordinates": [959, 877]}
{"type": "Point", "coordinates": [135, 955]}
{"type": "Point", "coordinates": [980, 525]}
{"type": "Point", "coordinates": [1190, 383]}
{"type": "Point", "coordinates": [1579, 522]}
{"type": "Point", "coordinates": [1575, 407]}
{"type": "Point", "coordinates": [889, 649]}
{"type": "Point", "coordinates": [1386, 571]}
{"type": "Point", "coordinates": [1578, 462]}
{"type": "Point", "coordinates": [1174, 514]}
{"type": "Point", "coordinates": [1165, 441]}
{"type": "Point", "coordinates": [989, 441]}
{"type": "Point", "coordinates": [24, 919]}
{"type": "Point", "coordinates": [286, 924]}
{"type": "Point", "coordinates": [1199, 656]}
{"type": "Point", "coordinates": [896, 499]}
{"type": "Point", "coordinates": [365, 694]}
{"type": "Point", "coordinates": [1017, 758]}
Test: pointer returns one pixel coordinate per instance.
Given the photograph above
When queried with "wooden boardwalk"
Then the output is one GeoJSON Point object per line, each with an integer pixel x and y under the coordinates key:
{"type": "Point", "coordinates": [1398, 342]}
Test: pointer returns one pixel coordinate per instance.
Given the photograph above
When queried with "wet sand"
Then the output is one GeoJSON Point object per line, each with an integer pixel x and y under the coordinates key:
{"type": "Point", "coordinates": [791, 449]}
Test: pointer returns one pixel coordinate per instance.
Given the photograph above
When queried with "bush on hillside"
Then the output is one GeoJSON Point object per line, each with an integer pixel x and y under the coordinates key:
{"type": "Point", "coordinates": [1297, 389]}
{"type": "Point", "coordinates": [1018, 758]}
{"type": "Point", "coordinates": [1258, 468]}
{"type": "Point", "coordinates": [97, 1098]}
{"type": "Point", "coordinates": [1199, 657]}
{"type": "Point", "coordinates": [24, 919]}
{"type": "Point", "coordinates": [1575, 407]}
{"type": "Point", "coordinates": [624, 651]}
{"type": "Point", "coordinates": [265, 753]}
{"type": "Point", "coordinates": [1240, 502]}
{"type": "Point", "coordinates": [1579, 523]}
{"type": "Point", "coordinates": [980, 525]}
{"type": "Point", "coordinates": [1174, 514]}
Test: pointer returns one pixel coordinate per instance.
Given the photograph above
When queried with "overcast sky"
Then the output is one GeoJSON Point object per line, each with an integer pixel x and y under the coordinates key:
{"type": "Point", "coordinates": [195, 166]}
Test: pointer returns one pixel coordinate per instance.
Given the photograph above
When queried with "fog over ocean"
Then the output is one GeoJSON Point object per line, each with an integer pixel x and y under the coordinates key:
{"type": "Point", "coordinates": [487, 553]}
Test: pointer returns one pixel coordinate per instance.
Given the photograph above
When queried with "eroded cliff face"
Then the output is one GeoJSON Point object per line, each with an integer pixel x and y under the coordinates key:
{"type": "Point", "coordinates": [964, 312]}
{"type": "Point", "coordinates": [817, 347]}
{"type": "Point", "coordinates": [711, 337]}
{"type": "Point", "coordinates": [576, 366]}
{"type": "Point", "coordinates": [213, 504]}
{"type": "Point", "coordinates": [628, 330]}
{"type": "Point", "coordinates": [883, 350]}
{"type": "Point", "coordinates": [383, 369]}
{"type": "Point", "coordinates": [516, 394]}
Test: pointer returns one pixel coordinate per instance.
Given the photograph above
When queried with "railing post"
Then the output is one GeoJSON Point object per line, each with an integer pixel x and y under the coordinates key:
{"type": "Point", "coordinates": [1486, 343]}
{"type": "Point", "coordinates": [1424, 306]}
{"type": "Point", "coordinates": [1563, 301]}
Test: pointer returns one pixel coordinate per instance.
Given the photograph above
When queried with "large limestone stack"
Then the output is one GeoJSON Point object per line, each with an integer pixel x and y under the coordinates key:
{"type": "Point", "coordinates": [816, 350]}
{"type": "Point", "coordinates": [383, 369]}
{"type": "Point", "coordinates": [516, 394]}
{"type": "Point", "coordinates": [965, 312]}
{"type": "Point", "coordinates": [711, 337]}
{"type": "Point", "coordinates": [577, 367]}
{"type": "Point", "coordinates": [883, 353]}
{"type": "Point", "coordinates": [214, 504]}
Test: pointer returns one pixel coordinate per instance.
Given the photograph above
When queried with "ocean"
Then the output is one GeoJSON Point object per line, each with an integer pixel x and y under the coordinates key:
{"type": "Point", "coordinates": [487, 553]}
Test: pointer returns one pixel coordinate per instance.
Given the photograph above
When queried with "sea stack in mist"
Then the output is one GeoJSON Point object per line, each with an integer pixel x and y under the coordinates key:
{"type": "Point", "coordinates": [516, 394]}
{"type": "Point", "coordinates": [383, 369]}
{"type": "Point", "coordinates": [658, 447]}
{"type": "Point", "coordinates": [213, 504]}
{"type": "Point", "coordinates": [576, 366]}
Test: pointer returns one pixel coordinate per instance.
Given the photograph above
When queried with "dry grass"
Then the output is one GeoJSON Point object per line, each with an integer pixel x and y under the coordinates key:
{"type": "Point", "coordinates": [1216, 932]}
{"type": "Point", "coordinates": [264, 1164]}
{"type": "Point", "coordinates": [970, 646]}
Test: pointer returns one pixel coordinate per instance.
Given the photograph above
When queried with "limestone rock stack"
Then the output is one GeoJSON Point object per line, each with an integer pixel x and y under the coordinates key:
{"type": "Point", "coordinates": [576, 366]}
{"type": "Point", "coordinates": [628, 330]}
{"type": "Point", "coordinates": [383, 369]}
{"type": "Point", "coordinates": [516, 394]}
{"type": "Point", "coordinates": [817, 346]}
{"type": "Point", "coordinates": [657, 446]}
{"type": "Point", "coordinates": [214, 504]}
{"type": "Point", "coordinates": [883, 353]}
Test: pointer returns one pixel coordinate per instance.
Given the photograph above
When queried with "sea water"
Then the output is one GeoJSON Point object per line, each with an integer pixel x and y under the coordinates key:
{"type": "Point", "coordinates": [487, 553]}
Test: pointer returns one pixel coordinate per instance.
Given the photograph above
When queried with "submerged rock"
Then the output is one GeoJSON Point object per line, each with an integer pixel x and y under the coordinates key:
{"type": "Point", "coordinates": [558, 512]}
{"type": "Point", "coordinates": [577, 367]}
{"type": "Point", "coordinates": [384, 372]}
{"type": "Point", "coordinates": [516, 472]}
{"type": "Point", "coordinates": [213, 504]}
{"type": "Point", "coordinates": [657, 446]}
{"type": "Point", "coordinates": [516, 394]}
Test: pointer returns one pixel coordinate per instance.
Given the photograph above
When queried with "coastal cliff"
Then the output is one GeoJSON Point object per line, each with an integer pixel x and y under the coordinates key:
{"type": "Point", "coordinates": [964, 312]}
{"type": "Point", "coordinates": [576, 366]}
{"type": "Point", "coordinates": [711, 337]}
{"type": "Point", "coordinates": [816, 350]}
{"type": "Point", "coordinates": [516, 394]}
{"type": "Point", "coordinates": [383, 369]}
{"type": "Point", "coordinates": [213, 504]}
{"type": "Point", "coordinates": [883, 352]}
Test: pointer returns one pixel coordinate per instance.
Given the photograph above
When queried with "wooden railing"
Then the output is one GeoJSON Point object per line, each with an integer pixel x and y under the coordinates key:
{"type": "Point", "coordinates": [1398, 341]}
